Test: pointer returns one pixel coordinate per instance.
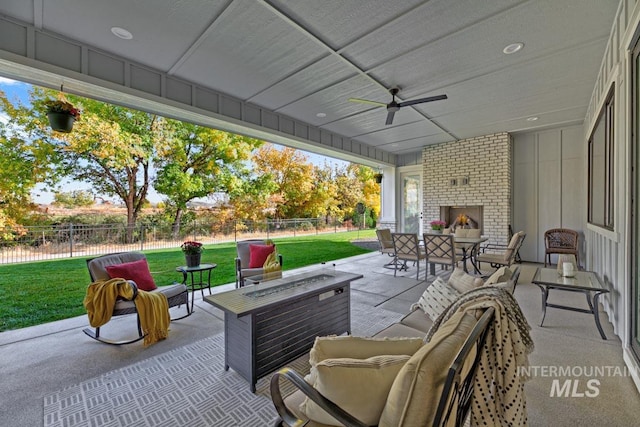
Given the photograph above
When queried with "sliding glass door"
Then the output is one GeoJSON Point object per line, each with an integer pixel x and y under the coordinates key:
{"type": "Point", "coordinates": [411, 203]}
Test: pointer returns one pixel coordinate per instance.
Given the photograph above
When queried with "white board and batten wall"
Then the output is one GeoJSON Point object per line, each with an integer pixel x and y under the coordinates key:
{"type": "Point", "coordinates": [549, 186]}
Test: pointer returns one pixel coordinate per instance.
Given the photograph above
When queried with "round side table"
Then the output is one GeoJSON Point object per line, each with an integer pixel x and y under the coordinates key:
{"type": "Point", "coordinates": [198, 282]}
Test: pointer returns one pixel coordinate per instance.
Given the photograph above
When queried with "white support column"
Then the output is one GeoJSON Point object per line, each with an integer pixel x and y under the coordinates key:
{"type": "Point", "coordinates": [388, 191]}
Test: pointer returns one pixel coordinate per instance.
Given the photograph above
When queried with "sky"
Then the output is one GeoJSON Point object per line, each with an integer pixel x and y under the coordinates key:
{"type": "Point", "coordinates": [16, 90]}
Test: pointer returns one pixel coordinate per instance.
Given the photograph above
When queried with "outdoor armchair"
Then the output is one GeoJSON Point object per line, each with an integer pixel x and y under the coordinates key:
{"type": "Point", "coordinates": [432, 387]}
{"type": "Point", "coordinates": [560, 241]}
{"type": "Point", "coordinates": [244, 267]}
{"type": "Point", "coordinates": [498, 257]}
{"type": "Point", "coordinates": [492, 246]}
{"type": "Point", "coordinates": [135, 262]}
{"type": "Point", "coordinates": [386, 245]}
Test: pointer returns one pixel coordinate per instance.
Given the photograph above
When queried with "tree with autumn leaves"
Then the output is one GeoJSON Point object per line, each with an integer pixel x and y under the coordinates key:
{"type": "Point", "coordinates": [118, 151]}
{"type": "Point", "coordinates": [304, 190]}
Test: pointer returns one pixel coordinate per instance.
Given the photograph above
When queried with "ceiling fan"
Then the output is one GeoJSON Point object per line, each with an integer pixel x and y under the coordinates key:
{"type": "Point", "coordinates": [394, 106]}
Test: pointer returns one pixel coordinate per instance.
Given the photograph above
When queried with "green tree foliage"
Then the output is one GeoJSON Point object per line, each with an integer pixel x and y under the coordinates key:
{"type": "Point", "coordinates": [73, 199]}
{"type": "Point", "coordinates": [292, 174]}
{"type": "Point", "coordinates": [26, 158]}
{"type": "Point", "coordinates": [111, 148]}
{"type": "Point", "coordinates": [194, 161]}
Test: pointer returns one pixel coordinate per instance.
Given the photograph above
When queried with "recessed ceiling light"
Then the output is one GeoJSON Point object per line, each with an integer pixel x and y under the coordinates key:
{"type": "Point", "coordinates": [512, 48]}
{"type": "Point", "coordinates": [321, 115]}
{"type": "Point", "coordinates": [122, 33]}
{"type": "Point", "coordinates": [532, 119]}
{"type": "Point", "coordinates": [394, 144]}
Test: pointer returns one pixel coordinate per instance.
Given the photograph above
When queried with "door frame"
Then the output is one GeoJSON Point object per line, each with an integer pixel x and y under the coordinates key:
{"type": "Point", "coordinates": [634, 208]}
{"type": "Point", "coordinates": [404, 172]}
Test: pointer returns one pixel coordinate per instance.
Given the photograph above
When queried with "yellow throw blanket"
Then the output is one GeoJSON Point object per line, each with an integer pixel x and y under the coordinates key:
{"type": "Point", "coordinates": [271, 267]}
{"type": "Point", "coordinates": [152, 307]}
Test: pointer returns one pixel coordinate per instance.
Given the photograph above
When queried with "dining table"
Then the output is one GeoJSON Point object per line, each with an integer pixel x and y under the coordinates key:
{"type": "Point", "coordinates": [469, 247]}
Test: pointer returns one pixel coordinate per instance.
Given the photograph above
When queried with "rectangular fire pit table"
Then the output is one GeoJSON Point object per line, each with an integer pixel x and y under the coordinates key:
{"type": "Point", "coordinates": [585, 282]}
{"type": "Point", "coordinates": [268, 325]}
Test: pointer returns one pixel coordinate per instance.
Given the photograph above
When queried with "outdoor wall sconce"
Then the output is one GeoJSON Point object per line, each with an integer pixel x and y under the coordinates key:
{"type": "Point", "coordinates": [378, 177]}
{"type": "Point", "coordinates": [465, 180]}
{"type": "Point", "coordinates": [453, 182]}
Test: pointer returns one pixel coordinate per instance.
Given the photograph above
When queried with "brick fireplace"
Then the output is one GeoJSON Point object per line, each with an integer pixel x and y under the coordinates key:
{"type": "Point", "coordinates": [471, 173]}
{"type": "Point", "coordinates": [449, 214]}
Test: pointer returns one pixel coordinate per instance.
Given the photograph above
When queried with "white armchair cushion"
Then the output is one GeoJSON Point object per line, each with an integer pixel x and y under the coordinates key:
{"type": "Point", "coordinates": [463, 282]}
{"type": "Point", "coordinates": [500, 275]}
{"type": "Point", "coordinates": [333, 347]}
{"type": "Point", "coordinates": [415, 393]}
{"type": "Point", "coordinates": [359, 386]}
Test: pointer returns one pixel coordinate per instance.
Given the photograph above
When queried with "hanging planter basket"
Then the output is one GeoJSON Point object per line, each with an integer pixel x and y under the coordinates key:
{"type": "Point", "coordinates": [61, 122]}
{"type": "Point", "coordinates": [61, 114]}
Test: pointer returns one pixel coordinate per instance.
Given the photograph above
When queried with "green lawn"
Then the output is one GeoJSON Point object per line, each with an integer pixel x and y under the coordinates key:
{"type": "Point", "coordinates": [41, 292]}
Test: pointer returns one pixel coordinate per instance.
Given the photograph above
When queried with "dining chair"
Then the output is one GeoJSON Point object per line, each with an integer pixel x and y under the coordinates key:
{"type": "Point", "coordinates": [502, 257]}
{"type": "Point", "coordinates": [489, 247]}
{"type": "Point", "coordinates": [386, 246]}
{"type": "Point", "coordinates": [407, 248]}
{"type": "Point", "coordinates": [440, 249]}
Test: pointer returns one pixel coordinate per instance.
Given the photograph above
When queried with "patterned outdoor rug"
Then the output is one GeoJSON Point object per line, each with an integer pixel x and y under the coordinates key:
{"type": "Point", "coordinates": [183, 387]}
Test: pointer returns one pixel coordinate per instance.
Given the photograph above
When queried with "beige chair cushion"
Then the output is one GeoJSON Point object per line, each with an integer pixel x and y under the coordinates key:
{"type": "Point", "coordinates": [359, 386]}
{"type": "Point", "coordinates": [501, 275]}
{"type": "Point", "coordinates": [463, 282]}
{"type": "Point", "coordinates": [415, 393]}
{"type": "Point", "coordinates": [334, 347]}
{"type": "Point", "coordinates": [508, 286]}
{"type": "Point", "coordinates": [493, 258]}
{"type": "Point", "coordinates": [417, 319]}
{"type": "Point", "coordinates": [398, 330]}
{"type": "Point", "coordinates": [462, 232]}
{"type": "Point", "coordinates": [293, 402]}
{"type": "Point", "coordinates": [514, 240]}
{"type": "Point", "coordinates": [436, 298]}
{"type": "Point", "coordinates": [512, 244]}
{"type": "Point", "coordinates": [474, 233]}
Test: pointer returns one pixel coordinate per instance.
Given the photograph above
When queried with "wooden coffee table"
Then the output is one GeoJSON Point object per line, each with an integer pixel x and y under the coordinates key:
{"type": "Point", "coordinates": [585, 282]}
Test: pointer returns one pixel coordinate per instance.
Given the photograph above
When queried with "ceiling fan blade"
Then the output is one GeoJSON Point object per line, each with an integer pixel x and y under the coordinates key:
{"type": "Point", "coordinates": [366, 101]}
{"type": "Point", "coordinates": [390, 115]}
{"type": "Point", "coordinates": [421, 100]}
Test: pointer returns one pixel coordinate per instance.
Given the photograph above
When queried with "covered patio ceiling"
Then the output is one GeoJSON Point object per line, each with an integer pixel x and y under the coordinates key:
{"type": "Point", "coordinates": [298, 62]}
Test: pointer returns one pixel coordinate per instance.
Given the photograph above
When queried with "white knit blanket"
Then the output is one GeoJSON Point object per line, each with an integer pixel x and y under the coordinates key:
{"type": "Point", "coordinates": [498, 396]}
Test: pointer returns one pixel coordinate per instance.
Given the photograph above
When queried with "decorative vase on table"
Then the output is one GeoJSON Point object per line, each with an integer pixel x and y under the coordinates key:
{"type": "Point", "coordinates": [437, 225]}
{"type": "Point", "coordinates": [193, 260]}
{"type": "Point", "coordinates": [192, 253]}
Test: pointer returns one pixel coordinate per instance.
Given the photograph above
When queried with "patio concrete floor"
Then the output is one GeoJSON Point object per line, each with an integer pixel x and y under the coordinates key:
{"type": "Point", "coordinates": [41, 360]}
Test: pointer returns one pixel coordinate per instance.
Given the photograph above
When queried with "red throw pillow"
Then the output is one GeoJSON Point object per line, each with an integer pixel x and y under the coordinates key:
{"type": "Point", "coordinates": [258, 254]}
{"type": "Point", "coordinates": [138, 271]}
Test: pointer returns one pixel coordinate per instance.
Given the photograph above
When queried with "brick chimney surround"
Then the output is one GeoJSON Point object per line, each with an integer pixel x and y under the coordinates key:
{"type": "Point", "coordinates": [474, 172]}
